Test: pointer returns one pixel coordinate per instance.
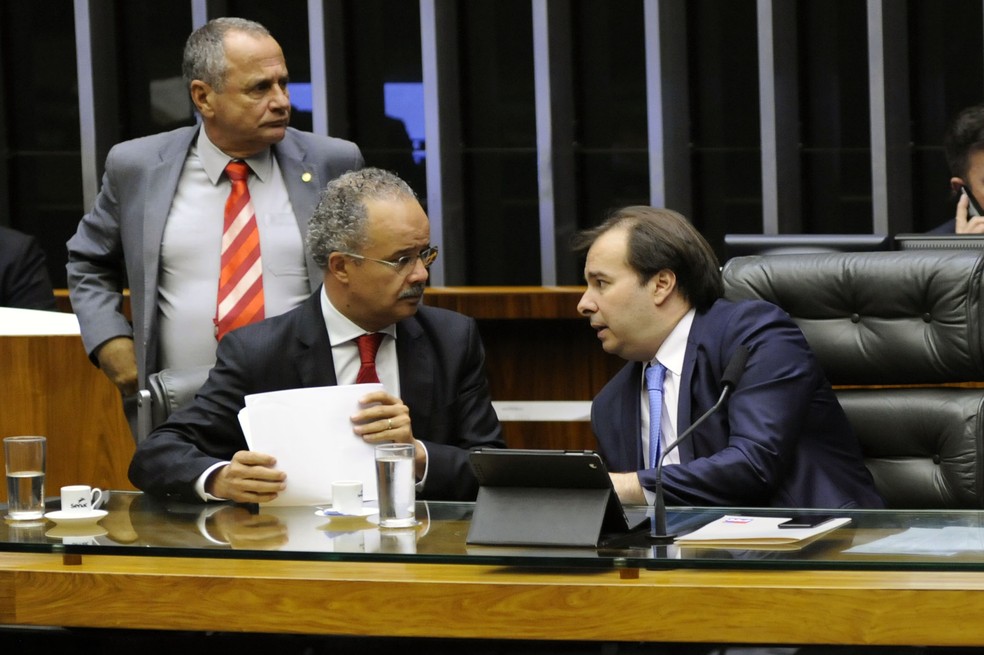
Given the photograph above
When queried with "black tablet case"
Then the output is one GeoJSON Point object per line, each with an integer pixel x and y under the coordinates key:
{"type": "Point", "coordinates": [543, 498]}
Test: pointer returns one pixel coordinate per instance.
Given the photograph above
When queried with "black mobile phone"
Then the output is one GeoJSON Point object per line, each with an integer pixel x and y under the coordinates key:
{"type": "Point", "coordinates": [806, 521]}
{"type": "Point", "coordinates": [974, 207]}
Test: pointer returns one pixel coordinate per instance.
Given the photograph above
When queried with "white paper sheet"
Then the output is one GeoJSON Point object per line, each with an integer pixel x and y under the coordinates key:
{"type": "Point", "coordinates": [310, 433]}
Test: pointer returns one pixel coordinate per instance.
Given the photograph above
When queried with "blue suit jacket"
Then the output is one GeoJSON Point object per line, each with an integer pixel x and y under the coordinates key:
{"type": "Point", "coordinates": [442, 381]}
{"type": "Point", "coordinates": [126, 225]}
{"type": "Point", "coordinates": [782, 440]}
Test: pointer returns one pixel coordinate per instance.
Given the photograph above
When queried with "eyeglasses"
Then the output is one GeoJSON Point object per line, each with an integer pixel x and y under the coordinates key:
{"type": "Point", "coordinates": [404, 264]}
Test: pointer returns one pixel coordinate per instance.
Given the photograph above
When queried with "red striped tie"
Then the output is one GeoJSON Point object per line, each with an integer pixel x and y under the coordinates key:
{"type": "Point", "coordinates": [240, 299]}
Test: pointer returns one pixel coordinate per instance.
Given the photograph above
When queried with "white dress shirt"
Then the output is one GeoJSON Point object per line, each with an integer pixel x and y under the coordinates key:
{"type": "Point", "coordinates": [191, 251]}
{"type": "Point", "coordinates": [670, 355]}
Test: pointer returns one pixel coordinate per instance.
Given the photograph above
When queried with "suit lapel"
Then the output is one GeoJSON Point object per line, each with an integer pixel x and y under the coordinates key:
{"type": "Point", "coordinates": [686, 385]}
{"type": "Point", "coordinates": [631, 413]}
{"type": "Point", "coordinates": [416, 371]}
{"type": "Point", "coordinates": [161, 185]}
{"type": "Point", "coordinates": [312, 349]}
{"type": "Point", "coordinates": [304, 185]}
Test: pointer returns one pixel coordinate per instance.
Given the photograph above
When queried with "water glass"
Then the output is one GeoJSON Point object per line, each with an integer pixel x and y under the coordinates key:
{"type": "Point", "coordinates": [395, 485]}
{"type": "Point", "coordinates": [25, 463]}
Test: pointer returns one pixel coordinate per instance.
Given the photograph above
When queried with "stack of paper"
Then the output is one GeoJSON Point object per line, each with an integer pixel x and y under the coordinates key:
{"type": "Point", "coordinates": [755, 532]}
{"type": "Point", "coordinates": [310, 433]}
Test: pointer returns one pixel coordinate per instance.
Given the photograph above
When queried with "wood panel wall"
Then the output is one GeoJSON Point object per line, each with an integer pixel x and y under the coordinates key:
{"type": "Point", "coordinates": [537, 348]}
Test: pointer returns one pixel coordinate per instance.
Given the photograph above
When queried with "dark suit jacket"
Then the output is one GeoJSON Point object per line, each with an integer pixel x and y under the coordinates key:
{"type": "Point", "coordinates": [442, 381]}
{"type": "Point", "coordinates": [126, 226]}
{"type": "Point", "coordinates": [24, 280]}
{"type": "Point", "coordinates": [782, 440]}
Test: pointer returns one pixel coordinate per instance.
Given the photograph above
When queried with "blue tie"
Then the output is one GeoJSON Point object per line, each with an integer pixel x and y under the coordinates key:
{"type": "Point", "coordinates": [654, 384]}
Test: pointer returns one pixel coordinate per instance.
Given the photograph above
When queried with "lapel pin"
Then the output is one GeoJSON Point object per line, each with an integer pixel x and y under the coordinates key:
{"type": "Point", "coordinates": [305, 177]}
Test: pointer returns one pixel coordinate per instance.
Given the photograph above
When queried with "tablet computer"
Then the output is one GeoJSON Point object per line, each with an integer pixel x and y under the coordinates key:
{"type": "Point", "coordinates": [545, 497]}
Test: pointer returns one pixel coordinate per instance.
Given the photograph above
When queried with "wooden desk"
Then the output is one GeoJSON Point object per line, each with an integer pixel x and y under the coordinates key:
{"type": "Point", "coordinates": [434, 600]}
{"type": "Point", "coordinates": [154, 568]}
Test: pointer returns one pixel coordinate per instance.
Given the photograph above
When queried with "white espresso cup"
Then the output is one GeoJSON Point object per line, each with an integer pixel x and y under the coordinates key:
{"type": "Point", "coordinates": [80, 499]}
{"type": "Point", "coordinates": [346, 496]}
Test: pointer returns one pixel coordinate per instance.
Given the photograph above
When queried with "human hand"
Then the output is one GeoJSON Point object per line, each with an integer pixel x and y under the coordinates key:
{"type": "Point", "coordinates": [385, 419]}
{"type": "Point", "coordinates": [967, 224]}
{"type": "Point", "coordinates": [249, 478]}
{"type": "Point", "coordinates": [118, 361]}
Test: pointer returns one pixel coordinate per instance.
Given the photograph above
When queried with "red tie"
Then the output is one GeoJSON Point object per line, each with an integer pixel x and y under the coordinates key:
{"type": "Point", "coordinates": [368, 345]}
{"type": "Point", "coordinates": [240, 299]}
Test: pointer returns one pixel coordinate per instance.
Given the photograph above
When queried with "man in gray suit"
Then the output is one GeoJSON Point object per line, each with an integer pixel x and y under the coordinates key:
{"type": "Point", "coordinates": [372, 238]}
{"type": "Point", "coordinates": [158, 217]}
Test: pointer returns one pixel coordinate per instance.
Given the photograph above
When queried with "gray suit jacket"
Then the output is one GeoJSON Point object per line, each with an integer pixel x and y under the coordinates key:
{"type": "Point", "coordinates": [126, 225]}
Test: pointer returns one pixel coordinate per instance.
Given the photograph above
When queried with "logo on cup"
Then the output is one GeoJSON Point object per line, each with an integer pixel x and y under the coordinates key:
{"type": "Point", "coordinates": [80, 498]}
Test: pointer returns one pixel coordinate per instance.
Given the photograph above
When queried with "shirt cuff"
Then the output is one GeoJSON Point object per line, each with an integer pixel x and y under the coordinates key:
{"type": "Point", "coordinates": [420, 484]}
{"type": "Point", "coordinates": [200, 482]}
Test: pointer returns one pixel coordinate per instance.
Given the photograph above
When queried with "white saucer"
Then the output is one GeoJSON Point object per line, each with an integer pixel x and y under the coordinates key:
{"type": "Point", "coordinates": [76, 531]}
{"type": "Point", "coordinates": [74, 519]}
{"type": "Point", "coordinates": [329, 513]}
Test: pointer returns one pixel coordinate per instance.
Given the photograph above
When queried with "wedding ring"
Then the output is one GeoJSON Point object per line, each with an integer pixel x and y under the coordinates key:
{"type": "Point", "coordinates": [389, 424]}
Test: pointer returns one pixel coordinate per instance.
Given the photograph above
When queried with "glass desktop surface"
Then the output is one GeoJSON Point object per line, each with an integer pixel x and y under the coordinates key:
{"type": "Point", "coordinates": [137, 524]}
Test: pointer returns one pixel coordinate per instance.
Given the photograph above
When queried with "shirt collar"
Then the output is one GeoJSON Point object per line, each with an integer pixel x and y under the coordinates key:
{"type": "Point", "coordinates": [340, 328]}
{"type": "Point", "coordinates": [214, 160]}
{"type": "Point", "coordinates": [674, 347]}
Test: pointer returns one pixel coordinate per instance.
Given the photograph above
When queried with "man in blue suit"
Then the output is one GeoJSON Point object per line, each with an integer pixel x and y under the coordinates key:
{"type": "Point", "coordinates": [157, 223]}
{"type": "Point", "coordinates": [372, 239]}
{"type": "Point", "coordinates": [655, 297]}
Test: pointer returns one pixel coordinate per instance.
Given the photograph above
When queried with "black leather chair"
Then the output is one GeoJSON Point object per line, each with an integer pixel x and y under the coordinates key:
{"type": "Point", "coordinates": [166, 392]}
{"type": "Point", "coordinates": [896, 333]}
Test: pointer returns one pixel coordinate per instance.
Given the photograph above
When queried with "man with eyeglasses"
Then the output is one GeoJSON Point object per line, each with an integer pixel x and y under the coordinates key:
{"type": "Point", "coordinates": [371, 238]}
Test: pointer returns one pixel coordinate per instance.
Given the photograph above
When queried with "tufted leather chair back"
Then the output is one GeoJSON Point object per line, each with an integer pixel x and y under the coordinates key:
{"type": "Point", "coordinates": [904, 327]}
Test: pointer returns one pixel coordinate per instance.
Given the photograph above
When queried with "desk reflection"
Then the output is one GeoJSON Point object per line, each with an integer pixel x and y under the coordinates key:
{"type": "Point", "coordinates": [139, 520]}
{"type": "Point", "coordinates": [138, 524]}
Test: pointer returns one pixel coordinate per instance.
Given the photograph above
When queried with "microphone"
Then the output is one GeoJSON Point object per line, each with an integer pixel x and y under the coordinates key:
{"type": "Point", "coordinates": [729, 380]}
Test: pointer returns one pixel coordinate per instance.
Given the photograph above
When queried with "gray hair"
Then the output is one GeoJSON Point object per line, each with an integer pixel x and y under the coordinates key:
{"type": "Point", "coordinates": [339, 223]}
{"type": "Point", "coordinates": [204, 53]}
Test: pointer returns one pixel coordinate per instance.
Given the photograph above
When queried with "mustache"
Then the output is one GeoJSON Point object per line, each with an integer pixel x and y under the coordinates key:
{"type": "Point", "coordinates": [413, 291]}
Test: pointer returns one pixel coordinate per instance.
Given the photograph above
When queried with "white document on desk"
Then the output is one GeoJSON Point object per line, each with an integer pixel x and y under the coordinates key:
{"type": "Point", "coordinates": [755, 532]}
{"type": "Point", "coordinates": [310, 433]}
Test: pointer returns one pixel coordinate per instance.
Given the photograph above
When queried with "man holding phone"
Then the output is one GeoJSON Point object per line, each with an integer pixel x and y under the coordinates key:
{"type": "Point", "coordinates": [963, 146]}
